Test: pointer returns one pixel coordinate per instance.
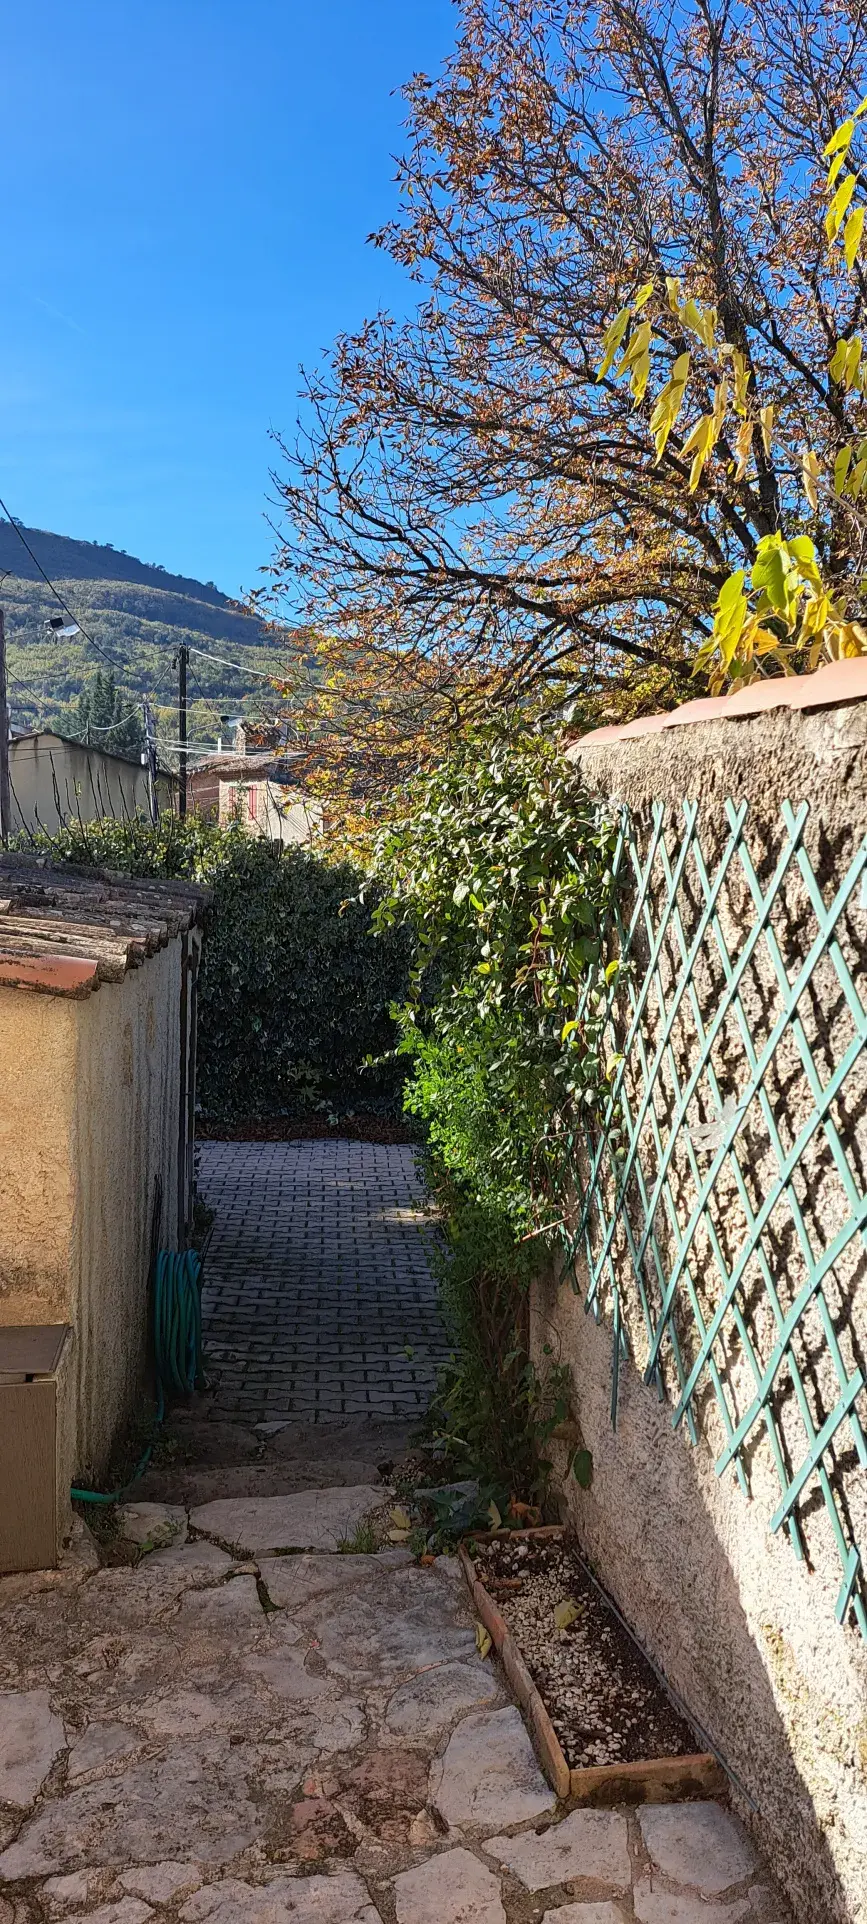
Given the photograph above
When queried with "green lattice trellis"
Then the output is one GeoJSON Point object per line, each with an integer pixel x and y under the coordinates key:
{"type": "Point", "coordinates": [734, 1273]}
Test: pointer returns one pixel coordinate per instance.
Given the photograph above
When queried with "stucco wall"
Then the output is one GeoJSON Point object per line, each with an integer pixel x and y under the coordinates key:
{"type": "Point", "coordinates": [124, 1142]}
{"type": "Point", "coordinates": [55, 781]}
{"type": "Point", "coordinates": [89, 1132]}
{"type": "Point", "coordinates": [746, 1632]}
{"type": "Point", "coordinates": [39, 1054]}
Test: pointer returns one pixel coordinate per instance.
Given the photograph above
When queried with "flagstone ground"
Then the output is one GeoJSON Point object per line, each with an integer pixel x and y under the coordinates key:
{"type": "Point", "coordinates": [250, 1726]}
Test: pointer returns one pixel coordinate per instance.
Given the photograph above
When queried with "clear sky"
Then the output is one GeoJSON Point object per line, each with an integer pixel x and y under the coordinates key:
{"type": "Point", "coordinates": [187, 190]}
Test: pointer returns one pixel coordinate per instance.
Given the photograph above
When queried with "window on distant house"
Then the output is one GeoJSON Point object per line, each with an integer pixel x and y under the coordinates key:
{"type": "Point", "coordinates": [253, 803]}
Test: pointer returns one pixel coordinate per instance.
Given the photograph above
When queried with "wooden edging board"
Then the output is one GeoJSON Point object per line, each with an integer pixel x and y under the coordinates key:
{"type": "Point", "coordinates": [659, 1780]}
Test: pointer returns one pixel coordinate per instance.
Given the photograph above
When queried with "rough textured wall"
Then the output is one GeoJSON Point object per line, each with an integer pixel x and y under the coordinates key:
{"type": "Point", "coordinates": [38, 1053]}
{"type": "Point", "coordinates": [125, 1142]}
{"type": "Point", "coordinates": [746, 1632]}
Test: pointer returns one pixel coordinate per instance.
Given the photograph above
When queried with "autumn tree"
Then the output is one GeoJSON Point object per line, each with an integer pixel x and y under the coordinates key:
{"type": "Point", "coordinates": [468, 505]}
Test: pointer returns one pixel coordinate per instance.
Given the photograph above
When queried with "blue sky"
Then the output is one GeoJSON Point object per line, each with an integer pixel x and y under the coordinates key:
{"type": "Point", "coordinates": [188, 187]}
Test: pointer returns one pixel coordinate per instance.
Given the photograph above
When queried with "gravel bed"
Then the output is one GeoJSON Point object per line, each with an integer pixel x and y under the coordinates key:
{"type": "Point", "coordinates": [601, 1696]}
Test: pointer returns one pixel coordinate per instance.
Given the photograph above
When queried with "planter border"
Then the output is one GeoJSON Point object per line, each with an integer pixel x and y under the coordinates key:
{"type": "Point", "coordinates": [657, 1780]}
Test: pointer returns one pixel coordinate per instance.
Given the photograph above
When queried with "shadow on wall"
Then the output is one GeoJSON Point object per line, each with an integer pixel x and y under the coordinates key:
{"type": "Point", "coordinates": [744, 1632]}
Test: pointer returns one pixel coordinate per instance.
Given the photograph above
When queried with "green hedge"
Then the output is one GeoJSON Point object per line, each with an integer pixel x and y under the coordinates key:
{"type": "Point", "coordinates": [295, 987]}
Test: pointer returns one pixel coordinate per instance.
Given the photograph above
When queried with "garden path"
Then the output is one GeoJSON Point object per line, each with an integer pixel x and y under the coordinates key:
{"type": "Point", "coordinates": [227, 1733]}
{"type": "Point", "coordinates": [236, 1718]}
{"type": "Point", "coordinates": [319, 1299]}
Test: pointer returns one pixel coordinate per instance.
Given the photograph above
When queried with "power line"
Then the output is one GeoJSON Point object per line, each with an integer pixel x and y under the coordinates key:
{"type": "Point", "coordinates": [57, 595]}
{"type": "Point", "coordinates": [203, 697]}
{"type": "Point", "coordinates": [205, 653]}
{"type": "Point", "coordinates": [239, 670]}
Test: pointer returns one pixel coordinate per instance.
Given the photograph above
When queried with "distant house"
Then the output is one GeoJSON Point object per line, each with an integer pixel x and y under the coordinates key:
{"type": "Point", "coordinates": [55, 780]}
{"type": "Point", "coordinates": [254, 784]}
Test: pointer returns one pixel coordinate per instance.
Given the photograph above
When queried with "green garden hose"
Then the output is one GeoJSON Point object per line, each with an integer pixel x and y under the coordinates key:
{"type": "Point", "coordinates": [177, 1347]}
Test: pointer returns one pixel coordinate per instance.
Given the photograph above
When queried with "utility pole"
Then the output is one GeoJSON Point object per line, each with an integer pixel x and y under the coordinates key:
{"type": "Point", "coordinates": [183, 656]}
{"type": "Point", "coordinates": [150, 759]}
{"type": "Point", "coordinates": [5, 788]}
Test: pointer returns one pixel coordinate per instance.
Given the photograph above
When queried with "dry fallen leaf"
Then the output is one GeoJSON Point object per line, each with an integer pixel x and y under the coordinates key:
{"type": "Point", "coordinates": [565, 1613]}
{"type": "Point", "coordinates": [494, 1518]}
{"type": "Point", "coordinates": [400, 1517]}
{"type": "Point", "coordinates": [398, 1536]}
{"type": "Point", "coordinates": [483, 1640]}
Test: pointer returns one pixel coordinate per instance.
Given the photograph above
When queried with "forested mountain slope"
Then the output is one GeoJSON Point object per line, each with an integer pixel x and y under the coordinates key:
{"type": "Point", "coordinates": [137, 614]}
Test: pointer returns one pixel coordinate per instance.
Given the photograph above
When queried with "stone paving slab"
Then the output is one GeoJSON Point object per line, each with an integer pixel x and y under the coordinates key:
{"type": "Point", "coordinates": [308, 1520]}
{"type": "Point", "coordinates": [319, 1299]}
{"type": "Point", "coordinates": [589, 1843]}
{"type": "Point", "coordinates": [306, 1739]}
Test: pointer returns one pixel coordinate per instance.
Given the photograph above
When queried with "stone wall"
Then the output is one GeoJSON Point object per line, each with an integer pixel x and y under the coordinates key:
{"type": "Point", "coordinates": [745, 1631]}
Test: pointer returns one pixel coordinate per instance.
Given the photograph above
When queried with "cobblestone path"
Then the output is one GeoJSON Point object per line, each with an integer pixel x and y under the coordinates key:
{"type": "Point", "coordinates": [319, 1299]}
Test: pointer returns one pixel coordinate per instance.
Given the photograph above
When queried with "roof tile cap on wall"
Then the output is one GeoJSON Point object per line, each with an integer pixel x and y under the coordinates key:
{"type": "Point", "coordinates": [50, 974]}
{"type": "Point", "coordinates": [839, 681]}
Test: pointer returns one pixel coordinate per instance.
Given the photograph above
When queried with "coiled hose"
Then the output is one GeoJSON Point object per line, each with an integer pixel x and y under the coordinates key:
{"type": "Point", "coordinates": [177, 1300]}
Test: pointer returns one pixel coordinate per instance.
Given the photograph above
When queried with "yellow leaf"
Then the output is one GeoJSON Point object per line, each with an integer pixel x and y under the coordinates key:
{"type": "Point", "coordinates": [852, 235]}
{"type": "Point", "coordinates": [701, 440]}
{"type": "Point", "coordinates": [810, 476]}
{"type": "Point", "coordinates": [720, 406]}
{"type": "Point", "coordinates": [837, 363]}
{"type": "Point", "coordinates": [853, 361]}
{"type": "Point", "coordinates": [642, 297]}
{"type": "Point", "coordinates": [398, 1536]}
{"type": "Point", "coordinates": [743, 444]}
{"type": "Point", "coordinates": [494, 1518]}
{"type": "Point", "coordinates": [611, 341]}
{"type": "Point", "coordinates": [840, 140]}
{"type": "Point", "coordinates": [483, 1640]}
{"type": "Point", "coordinates": [855, 481]}
{"type": "Point", "coordinates": [838, 206]}
{"type": "Point", "coordinates": [841, 469]}
{"type": "Point", "coordinates": [702, 321]}
{"type": "Point", "coordinates": [741, 380]}
{"type": "Point", "coordinates": [639, 377]}
{"type": "Point", "coordinates": [636, 360]}
{"type": "Point", "coordinates": [400, 1518]}
{"type": "Point", "coordinates": [668, 404]}
{"type": "Point", "coordinates": [766, 416]}
{"type": "Point", "coordinates": [837, 164]}
{"type": "Point", "coordinates": [672, 288]}
{"type": "Point", "coordinates": [566, 1613]}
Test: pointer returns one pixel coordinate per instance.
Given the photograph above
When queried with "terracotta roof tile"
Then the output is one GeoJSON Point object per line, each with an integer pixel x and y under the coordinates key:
{"type": "Point", "coordinates": [53, 975]}
{"type": "Point", "coordinates": [65, 929]}
{"type": "Point", "coordinates": [839, 681]}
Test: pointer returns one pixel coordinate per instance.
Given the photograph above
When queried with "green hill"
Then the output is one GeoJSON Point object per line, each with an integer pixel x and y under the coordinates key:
{"type": "Point", "coordinates": [138, 614]}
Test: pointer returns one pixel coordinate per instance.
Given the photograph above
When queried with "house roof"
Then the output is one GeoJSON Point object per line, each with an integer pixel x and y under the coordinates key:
{"type": "Point", "coordinates": [73, 741]}
{"type": "Point", "coordinates": [64, 930]}
{"type": "Point", "coordinates": [257, 767]}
